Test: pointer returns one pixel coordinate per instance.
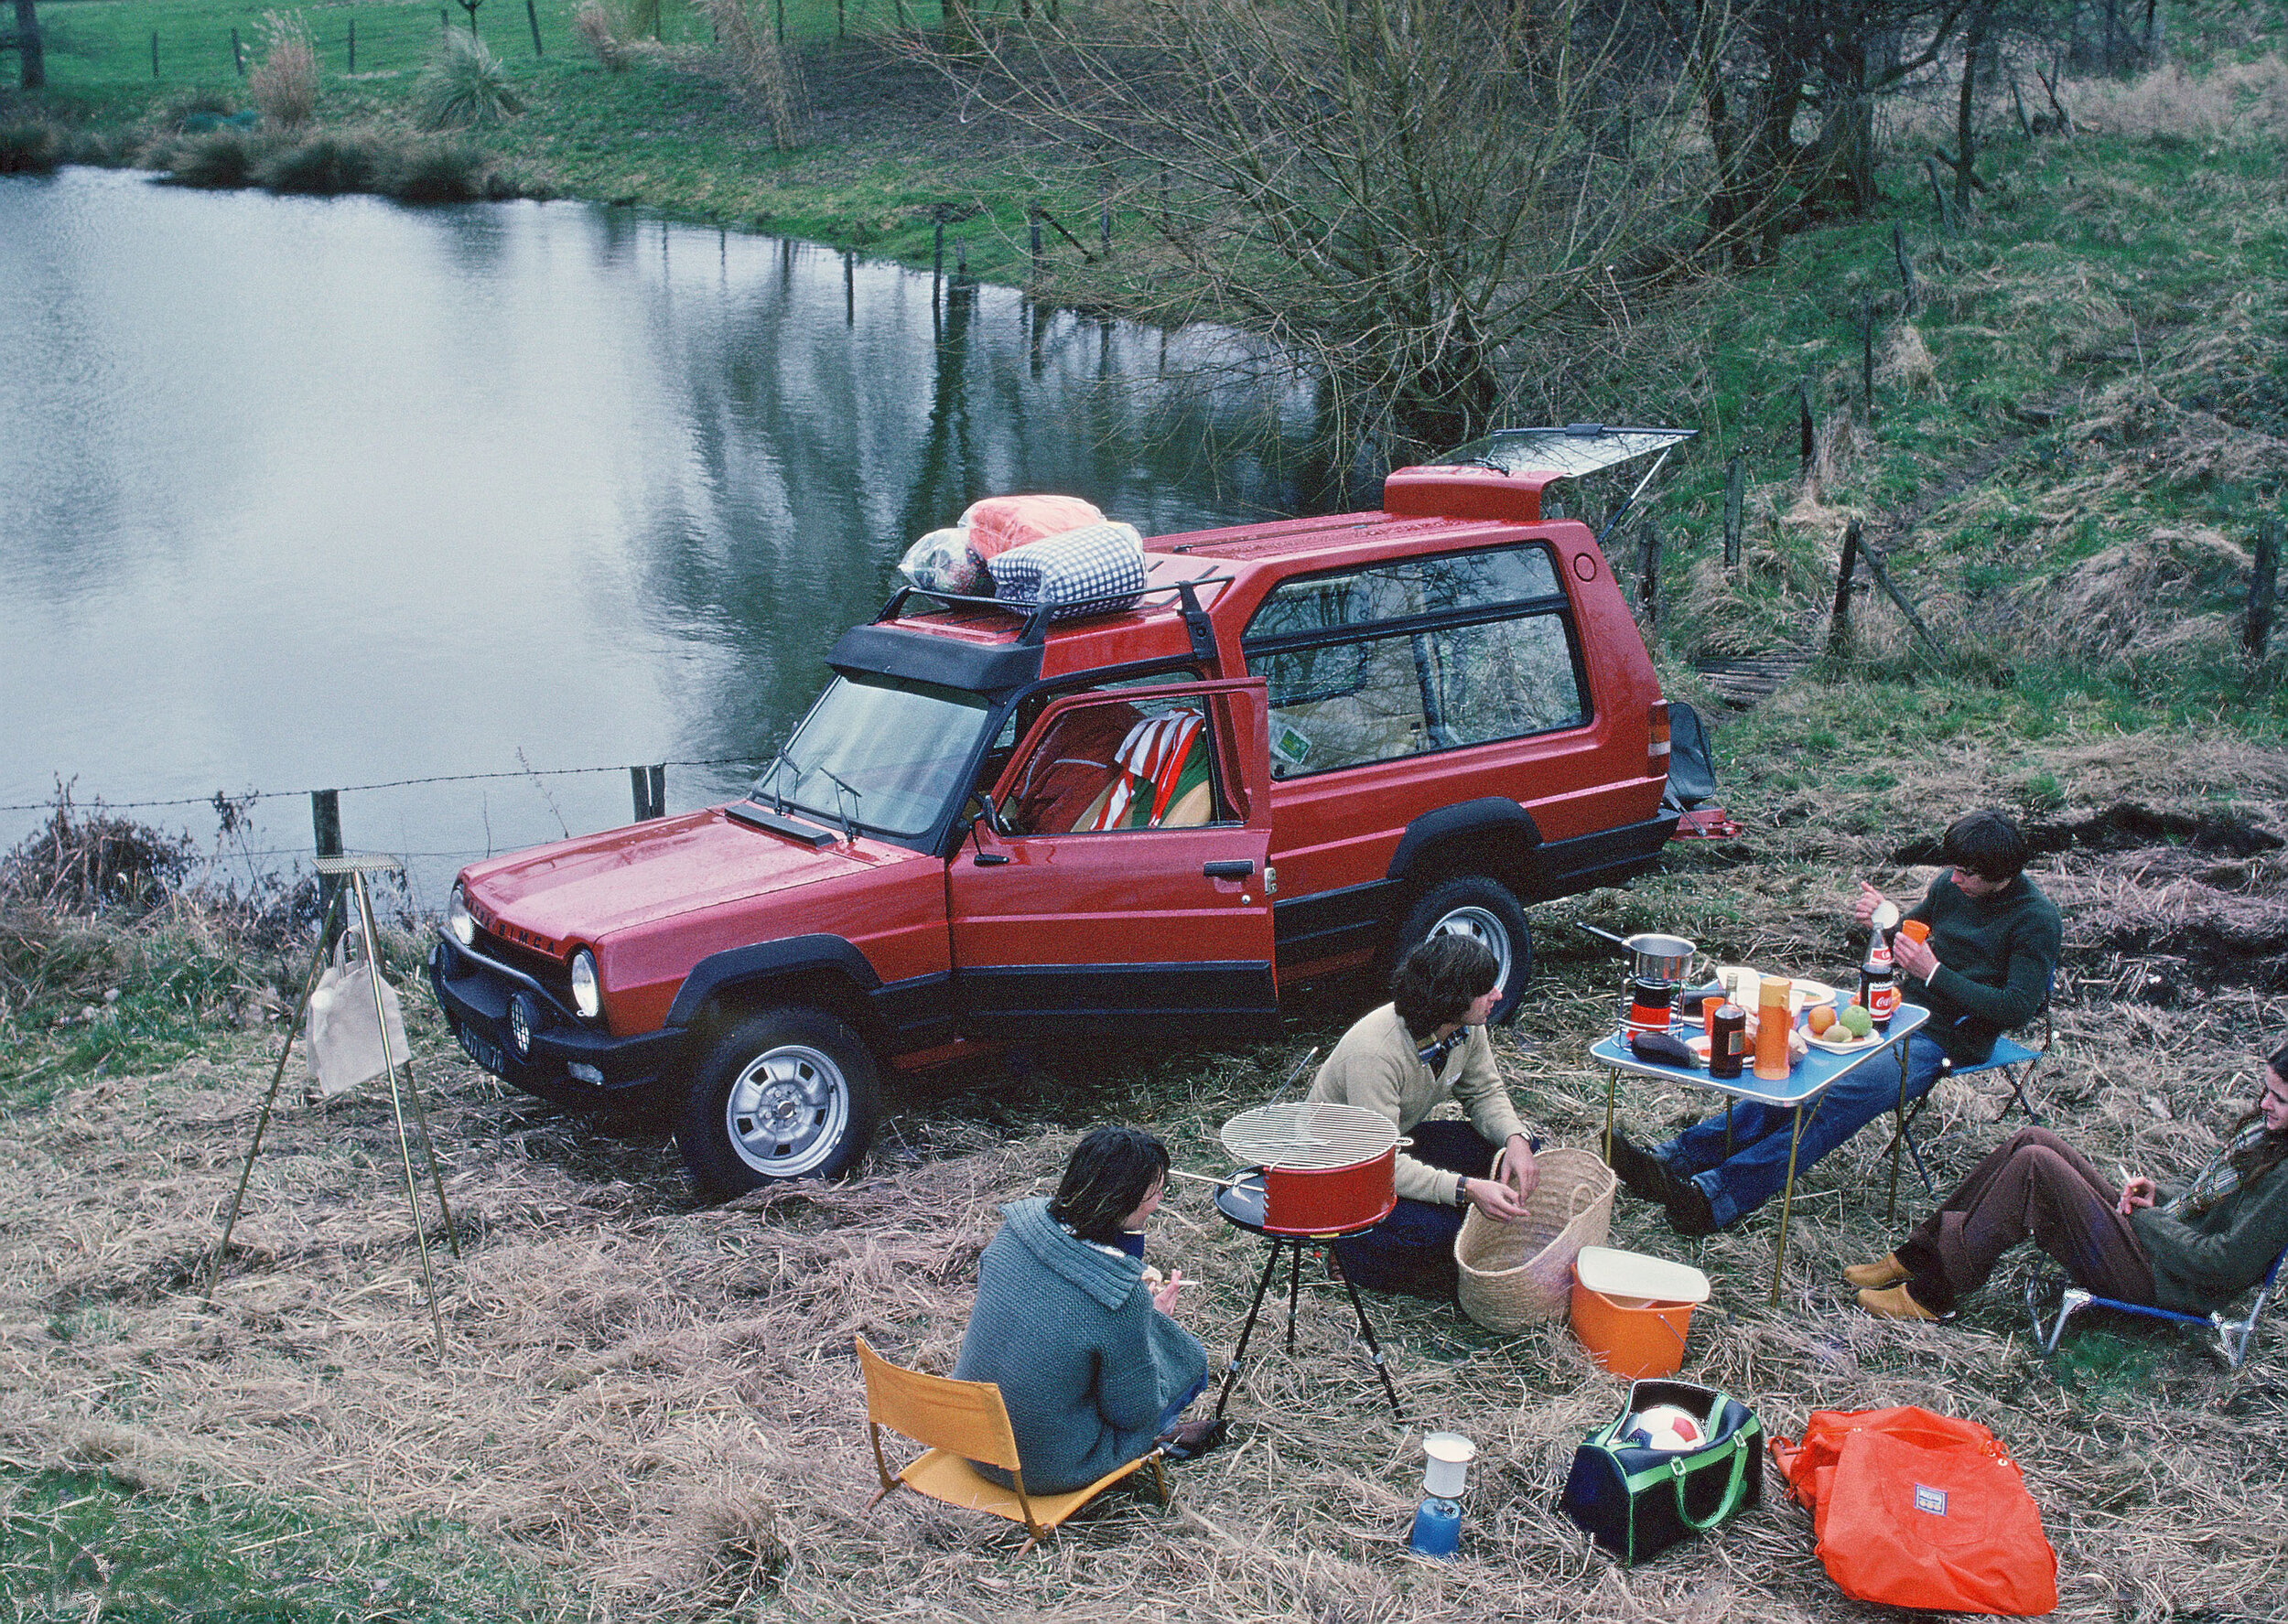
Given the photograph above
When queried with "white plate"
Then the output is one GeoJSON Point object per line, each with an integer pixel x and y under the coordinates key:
{"type": "Point", "coordinates": [1852, 1048]}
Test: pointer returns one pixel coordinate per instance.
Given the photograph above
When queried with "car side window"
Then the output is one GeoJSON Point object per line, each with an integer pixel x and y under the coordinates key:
{"type": "Point", "coordinates": [1118, 765]}
{"type": "Point", "coordinates": [1028, 711]}
{"type": "Point", "coordinates": [1414, 656]}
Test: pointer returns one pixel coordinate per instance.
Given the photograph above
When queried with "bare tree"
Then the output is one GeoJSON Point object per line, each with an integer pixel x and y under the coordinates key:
{"type": "Point", "coordinates": [31, 56]}
{"type": "Point", "coordinates": [1411, 194]}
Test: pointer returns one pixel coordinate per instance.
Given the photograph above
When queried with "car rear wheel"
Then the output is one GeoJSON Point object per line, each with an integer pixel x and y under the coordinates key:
{"type": "Point", "coordinates": [790, 1093]}
{"type": "Point", "coordinates": [1484, 910]}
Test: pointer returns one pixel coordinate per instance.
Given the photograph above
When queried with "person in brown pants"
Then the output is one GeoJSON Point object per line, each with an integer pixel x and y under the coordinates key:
{"type": "Point", "coordinates": [2193, 1253]}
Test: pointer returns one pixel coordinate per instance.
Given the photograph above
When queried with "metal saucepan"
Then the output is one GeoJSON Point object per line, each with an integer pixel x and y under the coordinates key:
{"type": "Point", "coordinates": [1653, 957]}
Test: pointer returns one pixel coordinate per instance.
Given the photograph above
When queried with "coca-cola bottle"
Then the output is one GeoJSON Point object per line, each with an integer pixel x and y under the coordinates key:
{"type": "Point", "coordinates": [1879, 983]}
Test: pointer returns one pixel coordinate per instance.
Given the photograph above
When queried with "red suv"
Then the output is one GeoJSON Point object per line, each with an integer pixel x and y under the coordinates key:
{"type": "Point", "coordinates": [1309, 745]}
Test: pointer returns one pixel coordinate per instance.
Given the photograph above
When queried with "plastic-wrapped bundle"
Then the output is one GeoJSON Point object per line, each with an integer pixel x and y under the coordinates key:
{"type": "Point", "coordinates": [1090, 571]}
{"type": "Point", "coordinates": [942, 561]}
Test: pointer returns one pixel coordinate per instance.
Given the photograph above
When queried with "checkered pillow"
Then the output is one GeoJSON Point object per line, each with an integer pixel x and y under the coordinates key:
{"type": "Point", "coordinates": [1095, 569]}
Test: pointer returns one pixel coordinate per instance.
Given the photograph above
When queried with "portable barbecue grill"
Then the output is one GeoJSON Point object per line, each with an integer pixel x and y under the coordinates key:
{"type": "Point", "coordinates": [1320, 1171]}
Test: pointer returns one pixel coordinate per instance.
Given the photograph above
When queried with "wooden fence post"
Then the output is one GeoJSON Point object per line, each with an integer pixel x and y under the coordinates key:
{"type": "Point", "coordinates": [1104, 225]}
{"type": "Point", "coordinates": [1867, 353]}
{"type": "Point", "coordinates": [1839, 619]}
{"type": "Point", "coordinates": [1883, 579]}
{"type": "Point", "coordinates": [1035, 223]}
{"type": "Point", "coordinates": [532, 16]}
{"type": "Point", "coordinates": [2263, 583]}
{"type": "Point", "coordinates": [1807, 434]}
{"type": "Point", "coordinates": [238, 52]}
{"type": "Point", "coordinates": [1938, 190]}
{"type": "Point", "coordinates": [650, 784]}
{"type": "Point", "coordinates": [353, 45]}
{"type": "Point", "coordinates": [1648, 571]}
{"type": "Point", "coordinates": [1734, 489]}
{"type": "Point", "coordinates": [1906, 270]}
{"type": "Point", "coordinates": [155, 53]}
{"type": "Point", "coordinates": [326, 838]}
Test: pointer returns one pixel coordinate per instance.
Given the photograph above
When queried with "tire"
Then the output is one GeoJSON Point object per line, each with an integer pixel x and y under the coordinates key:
{"type": "Point", "coordinates": [1473, 905]}
{"type": "Point", "coordinates": [790, 1092]}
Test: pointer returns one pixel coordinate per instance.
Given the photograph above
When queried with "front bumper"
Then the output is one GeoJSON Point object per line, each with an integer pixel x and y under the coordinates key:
{"type": "Point", "coordinates": [475, 992]}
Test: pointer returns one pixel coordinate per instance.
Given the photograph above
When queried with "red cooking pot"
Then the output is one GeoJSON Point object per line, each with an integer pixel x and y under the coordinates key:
{"type": "Point", "coordinates": [1324, 1169]}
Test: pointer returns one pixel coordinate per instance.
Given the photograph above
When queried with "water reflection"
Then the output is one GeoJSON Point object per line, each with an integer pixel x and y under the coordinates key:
{"type": "Point", "coordinates": [304, 492]}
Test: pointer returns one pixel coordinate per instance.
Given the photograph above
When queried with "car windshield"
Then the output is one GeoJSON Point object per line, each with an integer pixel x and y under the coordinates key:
{"type": "Point", "coordinates": [885, 751]}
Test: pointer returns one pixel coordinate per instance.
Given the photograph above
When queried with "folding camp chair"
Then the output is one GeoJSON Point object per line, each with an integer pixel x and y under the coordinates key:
{"type": "Point", "coordinates": [2233, 1336]}
{"type": "Point", "coordinates": [962, 1422]}
{"type": "Point", "coordinates": [2014, 1060]}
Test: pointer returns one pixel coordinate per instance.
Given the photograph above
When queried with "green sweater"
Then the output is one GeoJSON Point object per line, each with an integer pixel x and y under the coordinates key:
{"type": "Point", "coordinates": [1997, 956]}
{"type": "Point", "coordinates": [1085, 1363]}
{"type": "Point", "coordinates": [2200, 1264]}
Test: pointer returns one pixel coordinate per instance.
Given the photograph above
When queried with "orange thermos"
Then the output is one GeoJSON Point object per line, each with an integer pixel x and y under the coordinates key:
{"type": "Point", "coordinates": [1771, 1029]}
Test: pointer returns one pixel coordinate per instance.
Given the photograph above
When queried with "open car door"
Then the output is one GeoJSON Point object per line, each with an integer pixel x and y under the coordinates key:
{"type": "Point", "coordinates": [1123, 889]}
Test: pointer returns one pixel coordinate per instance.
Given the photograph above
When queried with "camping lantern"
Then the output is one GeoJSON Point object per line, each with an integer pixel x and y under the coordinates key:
{"type": "Point", "coordinates": [1437, 1530]}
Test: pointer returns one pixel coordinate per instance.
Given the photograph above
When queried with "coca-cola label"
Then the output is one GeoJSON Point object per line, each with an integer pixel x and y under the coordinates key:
{"type": "Point", "coordinates": [1883, 1001]}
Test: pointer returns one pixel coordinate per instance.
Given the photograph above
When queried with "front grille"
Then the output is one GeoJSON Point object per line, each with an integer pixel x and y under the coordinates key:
{"type": "Point", "coordinates": [551, 973]}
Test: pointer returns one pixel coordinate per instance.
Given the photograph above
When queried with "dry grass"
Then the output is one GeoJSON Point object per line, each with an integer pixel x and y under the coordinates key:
{"type": "Point", "coordinates": [2228, 102]}
{"type": "Point", "coordinates": [660, 1403]}
{"type": "Point", "coordinates": [284, 83]}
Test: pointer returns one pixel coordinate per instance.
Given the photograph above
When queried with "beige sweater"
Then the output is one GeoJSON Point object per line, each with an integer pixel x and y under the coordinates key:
{"type": "Point", "coordinates": [1377, 1067]}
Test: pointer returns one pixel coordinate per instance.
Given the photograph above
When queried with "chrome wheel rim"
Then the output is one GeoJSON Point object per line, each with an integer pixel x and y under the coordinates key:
{"type": "Point", "coordinates": [1480, 925]}
{"type": "Point", "coordinates": [787, 1112]}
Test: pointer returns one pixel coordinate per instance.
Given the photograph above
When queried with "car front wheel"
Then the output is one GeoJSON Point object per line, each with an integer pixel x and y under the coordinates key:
{"type": "Point", "coordinates": [1486, 911]}
{"type": "Point", "coordinates": [790, 1093]}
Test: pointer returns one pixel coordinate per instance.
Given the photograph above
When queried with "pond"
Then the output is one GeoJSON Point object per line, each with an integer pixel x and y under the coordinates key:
{"type": "Point", "coordinates": [303, 493]}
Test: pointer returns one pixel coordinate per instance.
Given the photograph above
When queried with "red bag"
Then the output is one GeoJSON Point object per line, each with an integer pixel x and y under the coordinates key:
{"type": "Point", "coordinates": [997, 523]}
{"type": "Point", "coordinates": [1915, 1510]}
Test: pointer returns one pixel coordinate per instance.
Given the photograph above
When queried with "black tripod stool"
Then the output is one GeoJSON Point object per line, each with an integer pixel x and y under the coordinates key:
{"type": "Point", "coordinates": [1242, 1205]}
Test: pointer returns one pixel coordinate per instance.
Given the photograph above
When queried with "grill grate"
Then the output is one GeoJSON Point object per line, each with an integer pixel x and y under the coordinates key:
{"type": "Point", "coordinates": [1308, 1136]}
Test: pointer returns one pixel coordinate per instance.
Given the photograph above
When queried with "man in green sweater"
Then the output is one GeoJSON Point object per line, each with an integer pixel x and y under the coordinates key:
{"type": "Point", "coordinates": [1987, 967]}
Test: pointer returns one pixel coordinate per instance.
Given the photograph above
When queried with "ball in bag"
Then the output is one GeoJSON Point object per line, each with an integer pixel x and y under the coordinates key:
{"type": "Point", "coordinates": [1664, 1426]}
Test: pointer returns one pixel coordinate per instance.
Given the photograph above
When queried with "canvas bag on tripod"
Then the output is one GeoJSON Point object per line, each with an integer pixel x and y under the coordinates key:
{"type": "Point", "coordinates": [344, 1042]}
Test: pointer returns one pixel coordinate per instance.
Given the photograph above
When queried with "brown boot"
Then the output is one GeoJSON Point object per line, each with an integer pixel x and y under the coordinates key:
{"type": "Point", "coordinates": [1897, 1303]}
{"type": "Point", "coordinates": [1874, 1277]}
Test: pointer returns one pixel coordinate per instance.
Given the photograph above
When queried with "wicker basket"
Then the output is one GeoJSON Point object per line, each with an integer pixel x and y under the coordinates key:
{"type": "Point", "coordinates": [1520, 1274]}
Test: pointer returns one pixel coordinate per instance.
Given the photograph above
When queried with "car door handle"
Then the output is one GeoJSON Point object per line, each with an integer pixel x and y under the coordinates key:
{"type": "Point", "coordinates": [1228, 868]}
{"type": "Point", "coordinates": [990, 859]}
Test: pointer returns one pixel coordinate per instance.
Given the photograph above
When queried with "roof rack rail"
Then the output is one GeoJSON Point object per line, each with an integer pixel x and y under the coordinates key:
{"type": "Point", "coordinates": [1037, 616]}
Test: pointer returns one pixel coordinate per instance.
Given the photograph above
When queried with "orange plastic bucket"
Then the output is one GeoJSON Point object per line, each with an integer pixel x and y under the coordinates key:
{"type": "Point", "coordinates": [1625, 1333]}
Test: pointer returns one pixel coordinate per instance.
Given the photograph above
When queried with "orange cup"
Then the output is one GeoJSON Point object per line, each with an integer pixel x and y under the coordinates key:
{"type": "Point", "coordinates": [1915, 929]}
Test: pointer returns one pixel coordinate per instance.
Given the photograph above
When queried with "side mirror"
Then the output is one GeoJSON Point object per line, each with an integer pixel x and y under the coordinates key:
{"type": "Point", "coordinates": [980, 805]}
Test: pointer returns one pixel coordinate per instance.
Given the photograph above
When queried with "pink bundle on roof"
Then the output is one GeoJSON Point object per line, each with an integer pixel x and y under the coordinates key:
{"type": "Point", "coordinates": [1000, 523]}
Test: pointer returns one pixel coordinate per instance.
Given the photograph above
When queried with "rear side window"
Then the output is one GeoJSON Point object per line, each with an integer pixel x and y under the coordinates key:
{"type": "Point", "coordinates": [1416, 655]}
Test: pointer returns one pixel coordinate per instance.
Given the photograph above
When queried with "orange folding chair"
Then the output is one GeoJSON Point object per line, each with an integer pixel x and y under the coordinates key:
{"type": "Point", "coordinates": [962, 1422]}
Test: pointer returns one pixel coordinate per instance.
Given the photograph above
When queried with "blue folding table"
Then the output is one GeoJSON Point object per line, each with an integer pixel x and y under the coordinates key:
{"type": "Point", "coordinates": [1806, 1085]}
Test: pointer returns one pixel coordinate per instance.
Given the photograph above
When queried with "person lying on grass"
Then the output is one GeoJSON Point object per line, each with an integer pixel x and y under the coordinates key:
{"type": "Point", "coordinates": [1424, 1047]}
{"type": "Point", "coordinates": [1992, 949]}
{"type": "Point", "coordinates": [1092, 1369]}
{"type": "Point", "coordinates": [2193, 1253]}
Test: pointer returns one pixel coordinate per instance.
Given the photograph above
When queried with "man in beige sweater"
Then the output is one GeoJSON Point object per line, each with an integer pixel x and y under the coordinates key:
{"type": "Point", "coordinates": [1426, 1046]}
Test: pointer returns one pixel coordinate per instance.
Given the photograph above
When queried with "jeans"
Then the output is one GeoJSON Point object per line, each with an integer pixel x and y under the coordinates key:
{"type": "Point", "coordinates": [1736, 1185]}
{"type": "Point", "coordinates": [1174, 1412]}
{"type": "Point", "coordinates": [1413, 1249]}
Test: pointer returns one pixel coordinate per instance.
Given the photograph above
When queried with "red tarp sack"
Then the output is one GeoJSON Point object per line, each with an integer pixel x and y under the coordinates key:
{"type": "Point", "coordinates": [1000, 523]}
{"type": "Point", "coordinates": [1920, 1510]}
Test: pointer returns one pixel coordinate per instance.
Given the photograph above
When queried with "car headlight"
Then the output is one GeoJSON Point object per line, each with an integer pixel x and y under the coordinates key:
{"type": "Point", "coordinates": [587, 992]}
{"type": "Point", "coordinates": [459, 921]}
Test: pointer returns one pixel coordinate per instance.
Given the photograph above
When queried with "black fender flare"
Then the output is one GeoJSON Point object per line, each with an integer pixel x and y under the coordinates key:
{"type": "Point", "coordinates": [737, 967]}
{"type": "Point", "coordinates": [1492, 819]}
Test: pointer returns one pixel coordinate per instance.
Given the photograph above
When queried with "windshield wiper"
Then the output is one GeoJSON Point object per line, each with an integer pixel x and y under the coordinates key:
{"type": "Point", "coordinates": [771, 775]}
{"type": "Point", "coordinates": [850, 820]}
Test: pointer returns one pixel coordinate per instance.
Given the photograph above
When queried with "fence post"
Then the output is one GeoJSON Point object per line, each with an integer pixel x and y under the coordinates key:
{"type": "Point", "coordinates": [1807, 434]}
{"type": "Point", "coordinates": [1734, 489]}
{"type": "Point", "coordinates": [2263, 584]}
{"type": "Point", "coordinates": [780, 24]}
{"type": "Point", "coordinates": [1867, 353]}
{"type": "Point", "coordinates": [1648, 572]}
{"type": "Point", "coordinates": [1104, 225]}
{"type": "Point", "coordinates": [238, 52]}
{"type": "Point", "coordinates": [1036, 243]}
{"type": "Point", "coordinates": [1907, 269]}
{"type": "Point", "coordinates": [532, 16]}
{"type": "Point", "coordinates": [155, 53]}
{"type": "Point", "coordinates": [1839, 621]}
{"type": "Point", "coordinates": [353, 45]}
{"type": "Point", "coordinates": [841, 32]}
{"type": "Point", "coordinates": [326, 839]}
{"type": "Point", "coordinates": [1938, 190]}
{"type": "Point", "coordinates": [937, 263]}
{"type": "Point", "coordinates": [650, 784]}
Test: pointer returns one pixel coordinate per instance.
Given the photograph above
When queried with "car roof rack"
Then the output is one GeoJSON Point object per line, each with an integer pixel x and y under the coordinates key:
{"type": "Point", "coordinates": [1037, 616]}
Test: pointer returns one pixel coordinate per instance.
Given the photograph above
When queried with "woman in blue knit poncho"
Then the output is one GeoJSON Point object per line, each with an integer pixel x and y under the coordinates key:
{"type": "Point", "coordinates": [1067, 1325]}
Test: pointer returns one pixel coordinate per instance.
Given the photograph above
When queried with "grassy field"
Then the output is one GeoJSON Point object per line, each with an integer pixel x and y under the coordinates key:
{"type": "Point", "coordinates": [650, 1411]}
